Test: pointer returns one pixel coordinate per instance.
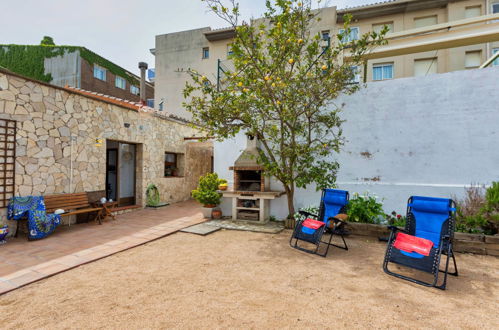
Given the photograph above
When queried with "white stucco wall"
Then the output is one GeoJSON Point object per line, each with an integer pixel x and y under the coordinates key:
{"type": "Point", "coordinates": [429, 136]}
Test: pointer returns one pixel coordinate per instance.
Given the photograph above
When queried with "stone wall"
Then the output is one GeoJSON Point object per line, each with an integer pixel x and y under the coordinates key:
{"type": "Point", "coordinates": [56, 125]}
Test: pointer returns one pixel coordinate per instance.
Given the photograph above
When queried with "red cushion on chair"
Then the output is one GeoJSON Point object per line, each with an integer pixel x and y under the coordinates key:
{"type": "Point", "coordinates": [313, 224]}
{"type": "Point", "coordinates": [409, 243]}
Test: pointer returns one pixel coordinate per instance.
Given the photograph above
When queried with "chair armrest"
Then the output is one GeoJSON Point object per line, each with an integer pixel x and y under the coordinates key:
{"type": "Point", "coordinates": [395, 229]}
{"type": "Point", "coordinates": [308, 214]}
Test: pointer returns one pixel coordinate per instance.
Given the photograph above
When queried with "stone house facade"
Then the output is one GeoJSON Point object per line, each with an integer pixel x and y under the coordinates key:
{"type": "Point", "coordinates": [63, 136]}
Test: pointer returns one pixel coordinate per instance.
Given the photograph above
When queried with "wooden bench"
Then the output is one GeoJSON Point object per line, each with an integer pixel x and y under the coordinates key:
{"type": "Point", "coordinates": [76, 203]}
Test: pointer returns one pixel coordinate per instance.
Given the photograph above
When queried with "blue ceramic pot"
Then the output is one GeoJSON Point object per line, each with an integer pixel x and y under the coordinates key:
{"type": "Point", "coordinates": [3, 233]}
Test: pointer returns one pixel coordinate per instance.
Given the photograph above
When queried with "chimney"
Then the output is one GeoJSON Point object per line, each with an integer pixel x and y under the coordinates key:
{"type": "Point", "coordinates": [143, 68]}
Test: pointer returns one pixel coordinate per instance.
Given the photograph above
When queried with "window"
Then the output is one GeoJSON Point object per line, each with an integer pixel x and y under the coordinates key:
{"type": "Point", "coordinates": [120, 82]}
{"type": "Point", "coordinates": [150, 103]}
{"type": "Point", "coordinates": [496, 61]}
{"type": "Point", "coordinates": [424, 67]}
{"type": "Point", "coordinates": [425, 21]}
{"type": "Point", "coordinates": [473, 11]}
{"type": "Point", "coordinates": [383, 71]}
{"type": "Point", "coordinates": [354, 34]}
{"type": "Point", "coordinates": [356, 73]}
{"type": "Point", "coordinates": [134, 90]}
{"type": "Point", "coordinates": [495, 10]}
{"type": "Point", "coordinates": [473, 59]}
{"type": "Point", "coordinates": [99, 72]}
{"type": "Point", "coordinates": [174, 164]}
{"type": "Point", "coordinates": [229, 51]}
{"type": "Point", "coordinates": [378, 27]}
{"type": "Point", "coordinates": [206, 52]}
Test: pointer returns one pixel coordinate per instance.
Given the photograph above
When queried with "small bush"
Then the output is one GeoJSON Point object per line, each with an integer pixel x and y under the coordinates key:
{"type": "Point", "coordinates": [478, 212]}
{"type": "Point", "coordinates": [395, 219]}
{"type": "Point", "coordinates": [490, 211]}
{"type": "Point", "coordinates": [314, 209]}
{"type": "Point", "coordinates": [152, 194]}
{"type": "Point", "coordinates": [365, 208]}
{"type": "Point", "coordinates": [206, 192]}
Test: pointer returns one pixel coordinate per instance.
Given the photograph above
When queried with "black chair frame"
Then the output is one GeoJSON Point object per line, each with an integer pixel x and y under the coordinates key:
{"type": "Point", "coordinates": [317, 241]}
{"type": "Point", "coordinates": [429, 264]}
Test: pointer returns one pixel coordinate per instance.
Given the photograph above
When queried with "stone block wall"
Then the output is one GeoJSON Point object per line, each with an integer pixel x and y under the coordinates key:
{"type": "Point", "coordinates": [56, 141]}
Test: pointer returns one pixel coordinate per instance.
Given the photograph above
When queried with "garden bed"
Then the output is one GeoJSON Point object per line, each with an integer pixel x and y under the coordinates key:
{"type": "Point", "coordinates": [463, 242]}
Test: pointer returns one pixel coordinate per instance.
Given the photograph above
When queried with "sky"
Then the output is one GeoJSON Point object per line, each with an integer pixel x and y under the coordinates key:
{"type": "Point", "coordinates": [123, 31]}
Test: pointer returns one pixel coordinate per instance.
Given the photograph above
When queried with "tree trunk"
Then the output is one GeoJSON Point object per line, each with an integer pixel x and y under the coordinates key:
{"type": "Point", "coordinates": [290, 193]}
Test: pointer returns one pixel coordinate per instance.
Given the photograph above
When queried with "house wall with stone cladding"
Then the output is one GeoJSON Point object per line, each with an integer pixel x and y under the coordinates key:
{"type": "Point", "coordinates": [49, 116]}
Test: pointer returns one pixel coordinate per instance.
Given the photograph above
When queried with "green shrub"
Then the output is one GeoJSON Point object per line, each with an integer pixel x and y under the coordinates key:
{"type": "Point", "coordinates": [206, 192]}
{"type": "Point", "coordinates": [152, 194]}
{"type": "Point", "coordinates": [47, 41]}
{"type": "Point", "coordinates": [478, 212]}
{"type": "Point", "coordinates": [490, 211]}
{"type": "Point", "coordinates": [365, 208]}
{"type": "Point", "coordinates": [361, 208]}
{"type": "Point", "coordinates": [395, 219]}
{"type": "Point", "coordinates": [311, 209]}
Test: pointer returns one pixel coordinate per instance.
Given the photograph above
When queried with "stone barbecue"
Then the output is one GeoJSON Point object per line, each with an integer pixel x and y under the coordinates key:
{"type": "Point", "coordinates": [251, 192]}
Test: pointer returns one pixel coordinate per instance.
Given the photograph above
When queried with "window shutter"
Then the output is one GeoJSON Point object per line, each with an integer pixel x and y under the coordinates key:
{"type": "Point", "coordinates": [425, 21]}
{"type": "Point", "coordinates": [473, 59]}
{"type": "Point", "coordinates": [470, 12]}
{"type": "Point", "coordinates": [425, 67]}
{"type": "Point", "coordinates": [378, 27]}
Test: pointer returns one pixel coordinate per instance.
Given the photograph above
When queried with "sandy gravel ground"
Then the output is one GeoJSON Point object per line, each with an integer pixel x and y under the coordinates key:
{"type": "Point", "coordinates": [247, 280]}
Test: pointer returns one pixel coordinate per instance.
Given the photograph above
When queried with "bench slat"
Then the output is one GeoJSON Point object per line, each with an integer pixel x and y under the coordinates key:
{"type": "Point", "coordinates": [67, 205]}
{"type": "Point", "coordinates": [67, 202]}
{"type": "Point", "coordinates": [81, 211]}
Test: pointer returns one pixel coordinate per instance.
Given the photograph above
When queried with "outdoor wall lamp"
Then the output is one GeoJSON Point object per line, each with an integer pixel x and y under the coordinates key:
{"type": "Point", "coordinates": [127, 125]}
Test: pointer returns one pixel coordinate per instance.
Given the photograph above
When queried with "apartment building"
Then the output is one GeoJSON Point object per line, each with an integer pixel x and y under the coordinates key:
{"type": "Point", "coordinates": [406, 15]}
{"type": "Point", "coordinates": [208, 51]}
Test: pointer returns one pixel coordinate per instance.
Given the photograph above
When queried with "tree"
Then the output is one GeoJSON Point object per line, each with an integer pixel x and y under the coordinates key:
{"type": "Point", "coordinates": [47, 41]}
{"type": "Point", "coordinates": [281, 91]}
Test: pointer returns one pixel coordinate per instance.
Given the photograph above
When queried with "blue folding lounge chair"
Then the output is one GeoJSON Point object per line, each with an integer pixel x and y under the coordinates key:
{"type": "Point", "coordinates": [313, 227]}
{"type": "Point", "coordinates": [428, 235]}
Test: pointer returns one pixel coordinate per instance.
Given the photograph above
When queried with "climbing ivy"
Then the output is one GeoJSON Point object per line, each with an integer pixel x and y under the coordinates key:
{"type": "Point", "coordinates": [93, 58]}
{"type": "Point", "coordinates": [28, 60]}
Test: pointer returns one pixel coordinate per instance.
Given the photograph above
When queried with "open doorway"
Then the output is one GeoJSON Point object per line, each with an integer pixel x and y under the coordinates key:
{"type": "Point", "coordinates": [120, 172]}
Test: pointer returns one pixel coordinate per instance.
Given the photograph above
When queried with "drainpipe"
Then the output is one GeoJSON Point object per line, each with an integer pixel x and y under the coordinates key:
{"type": "Point", "coordinates": [143, 68]}
{"type": "Point", "coordinates": [488, 11]}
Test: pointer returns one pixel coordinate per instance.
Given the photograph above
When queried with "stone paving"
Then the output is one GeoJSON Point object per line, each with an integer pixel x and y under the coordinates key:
{"type": "Point", "coordinates": [271, 227]}
{"type": "Point", "coordinates": [23, 262]}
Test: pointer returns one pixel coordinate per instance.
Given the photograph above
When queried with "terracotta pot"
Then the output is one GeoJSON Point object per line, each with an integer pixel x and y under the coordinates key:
{"type": "Point", "coordinates": [216, 214]}
{"type": "Point", "coordinates": [222, 187]}
{"type": "Point", "coordinates": [209, 206]}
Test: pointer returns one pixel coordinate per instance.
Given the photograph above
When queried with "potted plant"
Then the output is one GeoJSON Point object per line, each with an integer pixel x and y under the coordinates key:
{"type": "Point", "coordinates": [216, 213]}
{"type": "Point", "coordinates": [206, 193]}
{"type": "Point", "coordinates": [223, 184]}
